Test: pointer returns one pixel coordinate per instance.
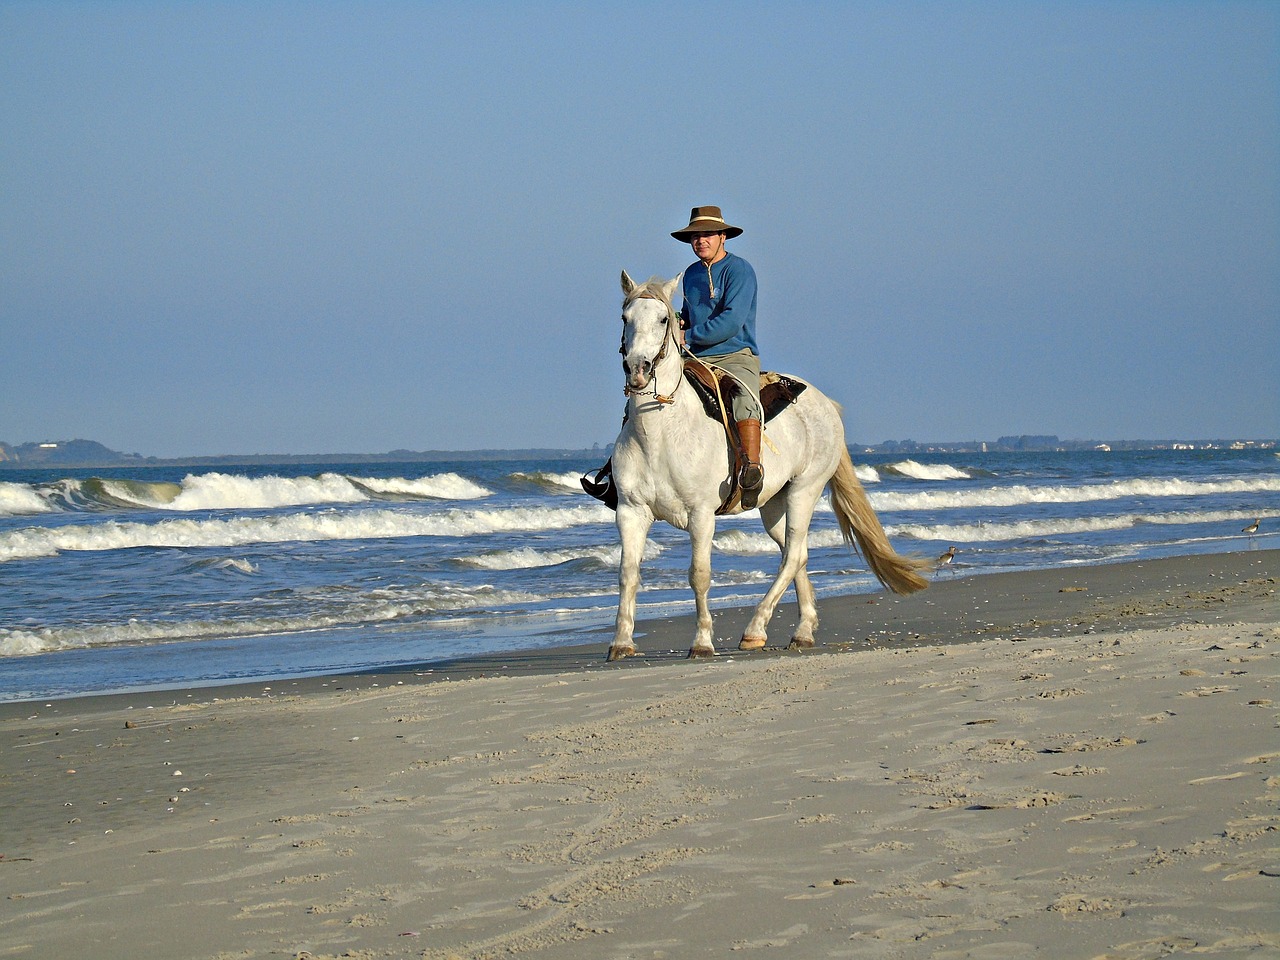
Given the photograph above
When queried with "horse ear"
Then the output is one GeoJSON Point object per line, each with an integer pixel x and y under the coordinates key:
{"type": "Point", "coordinates": [669, 288]}
{"type": "Point", "coordinates": [627, 284]}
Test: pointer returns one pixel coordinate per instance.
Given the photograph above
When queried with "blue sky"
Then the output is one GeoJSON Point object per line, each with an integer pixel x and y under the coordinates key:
{"type": "Point", "coordinates": [354, 227]}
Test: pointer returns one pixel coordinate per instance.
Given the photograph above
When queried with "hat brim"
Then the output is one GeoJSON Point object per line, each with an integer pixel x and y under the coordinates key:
{"type": "Point", "coordinates": [685, 235]}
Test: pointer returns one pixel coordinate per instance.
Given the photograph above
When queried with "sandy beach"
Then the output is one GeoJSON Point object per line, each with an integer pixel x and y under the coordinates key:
{"type": "Point", "coordinates": [1071, 763]}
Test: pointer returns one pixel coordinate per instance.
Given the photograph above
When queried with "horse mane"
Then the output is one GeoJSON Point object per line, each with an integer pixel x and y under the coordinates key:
{"type": "Point", "coordinates": [651, 289]}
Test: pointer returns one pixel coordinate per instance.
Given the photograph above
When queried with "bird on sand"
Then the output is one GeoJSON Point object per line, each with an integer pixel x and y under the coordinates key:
{"type": "Point", "coordinates": [947, 557]}
{"type": "Point", "coordinates": [1252, 528]}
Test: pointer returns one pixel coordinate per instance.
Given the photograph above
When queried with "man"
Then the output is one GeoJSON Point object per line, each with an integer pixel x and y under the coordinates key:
{"type": "Point", "coordinates": [719, 320]}
{"type": "Point", "coordinates": [719, 323]}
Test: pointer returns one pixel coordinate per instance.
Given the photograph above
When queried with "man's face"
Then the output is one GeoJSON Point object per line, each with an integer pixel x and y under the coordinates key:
{"type": "Point", "coordinates": [707, 247]}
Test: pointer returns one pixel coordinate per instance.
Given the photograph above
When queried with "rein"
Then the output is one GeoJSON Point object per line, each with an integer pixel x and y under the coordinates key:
{"type": "Point", "coordinates": [666, 341]}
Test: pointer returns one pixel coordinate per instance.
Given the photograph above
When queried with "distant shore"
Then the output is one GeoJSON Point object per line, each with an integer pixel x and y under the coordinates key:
{"type": "Point", "coordinates": [258, 459]}
{"type": "Point", "coordinates": [34, 456]}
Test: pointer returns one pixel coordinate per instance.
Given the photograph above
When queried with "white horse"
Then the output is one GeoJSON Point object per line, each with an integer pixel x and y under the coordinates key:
{"type": "Point", "coordinates": [672, 462]}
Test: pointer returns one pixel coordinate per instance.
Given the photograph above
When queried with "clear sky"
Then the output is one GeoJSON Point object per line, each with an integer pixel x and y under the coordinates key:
{"type": "Point", "coordinates": [269, 227]}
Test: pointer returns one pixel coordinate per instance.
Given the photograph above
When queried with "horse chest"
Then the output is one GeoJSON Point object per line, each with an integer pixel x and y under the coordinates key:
{"type": "Point", "coordinates": [669, 479]}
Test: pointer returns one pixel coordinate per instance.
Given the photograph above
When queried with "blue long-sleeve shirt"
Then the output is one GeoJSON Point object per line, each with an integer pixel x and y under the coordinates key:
{"type": "Point", "coordinates": [726, 322]}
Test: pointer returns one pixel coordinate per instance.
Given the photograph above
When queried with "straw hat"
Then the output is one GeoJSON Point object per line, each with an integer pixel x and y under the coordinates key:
{"type": "Point", "coordinates": [706, 220]}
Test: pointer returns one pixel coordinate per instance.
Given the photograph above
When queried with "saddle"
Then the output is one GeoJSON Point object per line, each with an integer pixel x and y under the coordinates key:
{"type": "Point", "coordinates": [716, 390]}
{"type": "Point", "coordinates": [777, 392]}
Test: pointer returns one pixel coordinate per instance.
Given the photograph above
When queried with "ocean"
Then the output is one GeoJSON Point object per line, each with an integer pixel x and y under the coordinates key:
{"type": "Point", "coordinates": [156, 577]}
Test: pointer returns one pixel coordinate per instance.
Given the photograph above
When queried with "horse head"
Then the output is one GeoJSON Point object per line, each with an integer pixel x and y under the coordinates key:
{"type": "Point", "coordinates": [649, 325]}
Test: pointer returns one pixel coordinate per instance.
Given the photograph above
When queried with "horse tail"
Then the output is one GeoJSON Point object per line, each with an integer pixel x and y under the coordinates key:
{"type": "Point", "coordinates": [862, 531]}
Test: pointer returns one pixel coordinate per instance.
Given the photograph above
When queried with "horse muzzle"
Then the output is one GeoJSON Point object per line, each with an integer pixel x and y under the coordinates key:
{"type": "Point", "coordinates": [638, 374]}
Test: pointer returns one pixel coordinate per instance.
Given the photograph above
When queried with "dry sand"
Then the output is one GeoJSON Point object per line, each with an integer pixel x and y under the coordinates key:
{"type": "Point", "coordinates": [1096, 775]}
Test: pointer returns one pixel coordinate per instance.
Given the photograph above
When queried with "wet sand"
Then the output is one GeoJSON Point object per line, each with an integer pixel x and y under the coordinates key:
{"type": "Point", "coordinates": [1066, 763]}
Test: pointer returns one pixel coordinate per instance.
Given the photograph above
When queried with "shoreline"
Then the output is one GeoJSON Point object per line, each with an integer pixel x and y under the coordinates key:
{"type": "Point", "coordinates": [1034, 603]}
{"type": "Point", "coordinates": [1096, 775]}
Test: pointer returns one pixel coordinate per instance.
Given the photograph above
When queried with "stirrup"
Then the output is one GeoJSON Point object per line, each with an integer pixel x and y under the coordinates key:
{"type": "Point", "coordinates": [601, 486]}
{"type": "Point", "coordinates": [751, 480]}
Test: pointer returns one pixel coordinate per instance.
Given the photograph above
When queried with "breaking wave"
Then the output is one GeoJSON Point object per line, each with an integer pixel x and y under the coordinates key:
{"type": "Point", "coordinates": [745, 542]}
{"type": "Point", "coordinates": [1040, 529]}
{"type": "Point", "coordinates": [925, 471]}
{"type": "Point", "coordinates": [1022, 494]}
{"type": "Point", "coordinates": [31, 542]}
{"type": "Point", "coordinates": [443, 486]}
{"type": "Point", "coordinates": [369, 609]}
{"type": "Point", "coordinates": [19, 499]}
{"type": "Point", "coordinates": [528, 558]}
{"type": "Point", "coordinates": [549, 482]}
{"type": "Point", "coordinates": [223, 491]}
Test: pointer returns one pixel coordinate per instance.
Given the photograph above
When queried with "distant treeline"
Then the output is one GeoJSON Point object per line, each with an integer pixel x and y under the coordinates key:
{"type": "Point", "coordinates": [90, 453]}
{"type": "Point", "coordinates": [1047, 443]}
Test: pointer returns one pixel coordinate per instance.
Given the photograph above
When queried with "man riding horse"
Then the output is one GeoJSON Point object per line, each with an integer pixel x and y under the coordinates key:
{"type": "Point", "coordinates": [718, 321]}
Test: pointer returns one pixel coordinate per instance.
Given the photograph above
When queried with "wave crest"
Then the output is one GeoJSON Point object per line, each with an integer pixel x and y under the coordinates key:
{"type": "Point", "coordinates": [925, 471]}
{"type": "Point", "coordinates": [32, 542]}
{"type": "Point", "coordinates": [20, 500]}
{"type": "Point", "coordinates": [442, 486]}
{"type": "Point", "coordinates": [1040, 529]}
{"type": "Point", "coordinates": [1020, 494]}
{"type": "Point", "coordinates": [551, 482]}
{"type": "Point", "coordinates": [526, 558]}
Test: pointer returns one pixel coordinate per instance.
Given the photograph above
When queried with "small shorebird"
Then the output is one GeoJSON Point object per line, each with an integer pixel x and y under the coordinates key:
{"type": "Point", "coordinates": [1252, 528]}
{"type": "Point", "coordinates": [947, 557]}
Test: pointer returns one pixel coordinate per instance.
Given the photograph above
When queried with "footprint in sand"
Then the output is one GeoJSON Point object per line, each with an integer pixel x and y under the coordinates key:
{"type": "Point", "coordinates": [1097, 743]}
{"type": "Point", "coordinates": [1078, 770]}
{"type": "Point", "coordinates": [1077, 905]}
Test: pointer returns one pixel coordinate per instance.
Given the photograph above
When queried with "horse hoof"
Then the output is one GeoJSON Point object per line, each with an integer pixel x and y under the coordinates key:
{"type": "Point", "coordinates": [699, 653]}
{"type": "Point", "coordinates": [800, 643]}
{"type": "Point", "coordinates": [751, 643]}
{"type": "Point", "coordinates": [617, 653]}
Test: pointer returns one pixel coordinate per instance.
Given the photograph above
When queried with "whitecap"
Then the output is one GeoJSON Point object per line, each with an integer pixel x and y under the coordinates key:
{"type": "Point", "coordinates": [746, 542]}
{"type": "Point", "coordinates": [1020, 494]}
{"type": "Point", "coordinates": [926, 471]}
{"type": "Point", "coordinates": [222, 491]}
{"type": "Point", "coordinates": [31, 542]}
{"type": "Point", "coordinates": [552, 482]}
{"type": "Point", "coordinates": [19, 499]}
{"type": "Point", "coordinates": [441, 486]}
{"type": "Point", "coordinates": [1031, 529]}
{"type": "Point", "coordinates": [524, 558]}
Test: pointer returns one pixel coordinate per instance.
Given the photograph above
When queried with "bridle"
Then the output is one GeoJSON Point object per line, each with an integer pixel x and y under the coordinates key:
{"type": "Point", "coordinates": [673, 321]}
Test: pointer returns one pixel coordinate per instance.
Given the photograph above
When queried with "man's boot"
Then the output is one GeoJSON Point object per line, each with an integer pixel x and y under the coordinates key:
{"type": "Point", "coordinates": [751, 475]}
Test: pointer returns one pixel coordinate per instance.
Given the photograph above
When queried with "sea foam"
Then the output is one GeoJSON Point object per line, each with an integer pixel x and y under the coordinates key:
{"type": "Point", "coordinates": [1020, 494]}
{"type": "Point", "coordinates": [18, 499]}
{"type": "Point", "coordinates": [371, 608]}
{"type": "Point", "coordinates": [1042, 529]}
{"type": "Point", "coordinates": [527, 558]}
{"type": "Point", "coordinates": [925, 471]}
{"type": "Point", "coordinates": [31, 542]}
{"type": "Point", "coordinates": [551, 482]}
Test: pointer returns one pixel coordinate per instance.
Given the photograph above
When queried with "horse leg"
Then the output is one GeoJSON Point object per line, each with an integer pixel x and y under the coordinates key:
{"type": "Point", "coordinates": [788, 525]}
{"type": "Point", "coordinates": [633, 528]}
{"type": "Point", "coordinates": [808, 603]}
{"type": "Point", "coordinates": [702, 527]}
{"type": "Point", "coordinates": [774, 515]}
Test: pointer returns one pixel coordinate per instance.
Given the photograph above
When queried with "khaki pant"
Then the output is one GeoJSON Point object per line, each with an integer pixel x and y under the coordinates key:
{"type": "Point", "coordinates": [743, 366]}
